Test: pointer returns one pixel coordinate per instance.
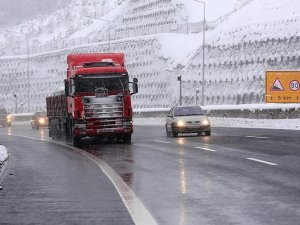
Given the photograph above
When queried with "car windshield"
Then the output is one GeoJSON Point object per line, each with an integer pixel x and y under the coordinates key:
{"type": "Point", "coordinates": [3, 111]}
{"type": "Point", "coordinates": [41, 114]}
{"type": "Point", "coordinates": [188, 111]}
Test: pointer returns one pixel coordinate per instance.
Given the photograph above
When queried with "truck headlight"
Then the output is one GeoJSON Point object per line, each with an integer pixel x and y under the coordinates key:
{"type": "Point", "coordinates": [180, 123]}
{"type": "Point", "coordinates": [127, 123]}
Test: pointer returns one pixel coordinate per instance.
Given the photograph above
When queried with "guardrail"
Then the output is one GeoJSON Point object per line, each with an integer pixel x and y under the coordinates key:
{"type": "Point", "coordinates": [257, 111]}
{"type": "Point", "coordinates": [250, 111]}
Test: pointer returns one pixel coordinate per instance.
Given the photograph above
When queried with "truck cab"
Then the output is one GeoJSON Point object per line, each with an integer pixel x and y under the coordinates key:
{"type": "Point", "coordinates": [98, 97]}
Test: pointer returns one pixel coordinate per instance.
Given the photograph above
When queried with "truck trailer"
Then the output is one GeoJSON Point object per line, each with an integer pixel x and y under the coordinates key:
{"type": "Point", "coordinates": [96, 101]}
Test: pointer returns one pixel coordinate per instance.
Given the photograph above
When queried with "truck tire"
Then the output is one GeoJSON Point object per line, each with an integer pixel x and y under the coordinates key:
{"type": "Point", "coordinates": [76, 141]}
{"type": "Point", "coordinates": [127, 138]}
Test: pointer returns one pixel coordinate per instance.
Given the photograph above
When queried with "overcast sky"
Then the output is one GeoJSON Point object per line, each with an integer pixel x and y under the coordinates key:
{"type": "Point", "coordinates": [14, 11]}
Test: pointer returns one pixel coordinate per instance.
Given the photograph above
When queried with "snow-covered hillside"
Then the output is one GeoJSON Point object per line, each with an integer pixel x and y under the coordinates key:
{"type": "Point", "coordinates": [162, 39]}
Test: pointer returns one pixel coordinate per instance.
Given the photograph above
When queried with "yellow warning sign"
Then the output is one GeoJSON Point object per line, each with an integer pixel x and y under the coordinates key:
{"type": "Point", "coordinates": [282, 86]}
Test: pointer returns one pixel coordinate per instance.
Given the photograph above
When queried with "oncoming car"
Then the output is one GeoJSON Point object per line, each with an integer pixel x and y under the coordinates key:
{"type": "Point", "coordinates": [187, 119]}
{"type": "Point", "coordinates": [39, 119]}
{"type": "Point", "coordinates": [5, 118]}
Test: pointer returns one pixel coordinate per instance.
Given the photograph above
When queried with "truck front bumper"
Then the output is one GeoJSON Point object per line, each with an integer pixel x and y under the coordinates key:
{"type": "Point", "coordinates": [103, 131]}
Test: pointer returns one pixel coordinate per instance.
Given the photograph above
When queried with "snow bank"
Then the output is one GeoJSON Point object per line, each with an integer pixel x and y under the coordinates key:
{"type": "Point", "coordinates": [289, 124]}
{"type": "Point", "coordinates": [3, 154]}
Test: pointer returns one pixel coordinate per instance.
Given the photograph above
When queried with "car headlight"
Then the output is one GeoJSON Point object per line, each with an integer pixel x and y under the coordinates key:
{"type": "Point", "coordinates": [180, 123]}
{"type": "Point", "coordinates": [205, 122]}
{"type": "Point", "coordinates": [42, 120]}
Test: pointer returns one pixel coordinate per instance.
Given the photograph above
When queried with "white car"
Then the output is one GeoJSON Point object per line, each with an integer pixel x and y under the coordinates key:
{"type": "Point", "coordinates": [187, 119]}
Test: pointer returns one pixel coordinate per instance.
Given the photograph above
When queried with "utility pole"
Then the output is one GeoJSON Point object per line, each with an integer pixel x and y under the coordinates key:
{"type": "Point", "coordinates": [203, 52]}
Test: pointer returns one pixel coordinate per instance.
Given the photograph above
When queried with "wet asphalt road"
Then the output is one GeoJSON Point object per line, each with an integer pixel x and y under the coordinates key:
{"type": "Point", "coordinates": [236, 176]}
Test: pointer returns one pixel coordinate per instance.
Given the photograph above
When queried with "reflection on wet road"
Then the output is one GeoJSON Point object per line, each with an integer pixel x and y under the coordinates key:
{"type": "Point", "coordinates": [207, 180]}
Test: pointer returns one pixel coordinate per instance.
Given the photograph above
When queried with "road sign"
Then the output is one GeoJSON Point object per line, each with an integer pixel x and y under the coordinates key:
{"type": "Point", "coordinates": [282, 86]}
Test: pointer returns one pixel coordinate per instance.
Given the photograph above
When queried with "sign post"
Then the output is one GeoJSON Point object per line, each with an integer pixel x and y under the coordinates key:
{"type": "Point", "coordinates": [282, 86]}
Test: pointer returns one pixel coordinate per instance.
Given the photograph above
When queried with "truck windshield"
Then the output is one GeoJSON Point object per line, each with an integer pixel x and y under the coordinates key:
{"type": "Point", "coordinates": [91, 83]}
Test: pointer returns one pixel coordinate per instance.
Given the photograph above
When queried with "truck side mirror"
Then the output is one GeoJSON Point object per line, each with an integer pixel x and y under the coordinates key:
{"type": "Point", "coordinates": [67, 87]}
{"type": "Point", "coordinates": [135, 88]}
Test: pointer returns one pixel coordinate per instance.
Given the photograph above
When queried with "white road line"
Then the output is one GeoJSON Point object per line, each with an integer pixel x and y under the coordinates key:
{"type": "Point", "coordinates": [164, 142]}
{"type": "Point", "coordinates": [262, 161]}
{"type": "Point", "coordinates": [138, 212]}
{"type": "Point", "coordinates": [257, 137]}
{"type": "Point", "coordinates": [206, 149]}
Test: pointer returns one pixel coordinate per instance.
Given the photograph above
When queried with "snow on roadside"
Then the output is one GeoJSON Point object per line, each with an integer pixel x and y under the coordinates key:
{"type": "Point", "coordinates": [289, 124]}
{"type": "Point", "coordinates": [3, 154]}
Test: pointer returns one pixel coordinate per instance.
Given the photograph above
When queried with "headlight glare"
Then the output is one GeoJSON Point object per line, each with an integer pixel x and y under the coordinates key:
{"type": "Point", "coordinates": [42, 120]}
{"type": "Point", "coordinates": [205, 122]}
{"type": "Point", "coordinates": [180, 123]}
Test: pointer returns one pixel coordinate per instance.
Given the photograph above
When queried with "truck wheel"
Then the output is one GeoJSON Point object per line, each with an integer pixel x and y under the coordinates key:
{"type": "Point", "coordinates": [76, 141]}
{"type": "Point", "coordinates": [127, 138]}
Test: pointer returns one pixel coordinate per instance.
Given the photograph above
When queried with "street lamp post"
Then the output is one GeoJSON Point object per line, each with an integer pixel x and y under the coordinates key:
{"type": "Point", "coordinates": [108, 24]}
{"type": "Point", "coordinates": [203, 51]}
{"type": "Point", "coordinates": [197, 91]}
{"type": "Point", "coordinates": [16, 102]}
{"type": "Point", "coordinates": [186, 20]}
{"type": "Point", "coordinates": [180, 93]}
{"type": "Point", "coordinates": [27, 53]}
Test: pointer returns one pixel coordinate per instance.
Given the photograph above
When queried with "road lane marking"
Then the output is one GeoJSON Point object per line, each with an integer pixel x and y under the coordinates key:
{"type": "Point", "coordinates": [164, 142]}
{"type": "Point", "coordinates": [206, 149]}
{"type": "Point", "coordinates": [262, 161]}
{"type": "Point", "coordinates": [257, 137]}
{"type": "Point", "coordinates": [138, 212]}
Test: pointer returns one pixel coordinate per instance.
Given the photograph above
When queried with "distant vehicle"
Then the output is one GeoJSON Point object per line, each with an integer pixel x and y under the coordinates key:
{"type": "Point", "coordinates": [39, 119]}
{"type": "Point", "coordinates": [187, 119]}
{"type": "Point", "coordinates": [5, 118]}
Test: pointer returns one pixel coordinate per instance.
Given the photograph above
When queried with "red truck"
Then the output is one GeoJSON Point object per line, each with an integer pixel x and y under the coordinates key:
{"type": "Point", "coordinates": [96, 101]}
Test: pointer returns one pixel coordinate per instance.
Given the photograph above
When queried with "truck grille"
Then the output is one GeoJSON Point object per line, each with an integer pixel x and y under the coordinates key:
{"type": "Point", "coordinates": [103, 112]}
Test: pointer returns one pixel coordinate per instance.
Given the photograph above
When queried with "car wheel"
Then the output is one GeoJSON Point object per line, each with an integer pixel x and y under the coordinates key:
{"type": "Point", "coordinates": [167, 132]}
{"type": "Point", "coordinates": [175, 134]}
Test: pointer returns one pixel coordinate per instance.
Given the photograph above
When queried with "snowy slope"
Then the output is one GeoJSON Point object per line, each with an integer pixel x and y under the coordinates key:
{"type": "Point", "coordinates": [244, 38]}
